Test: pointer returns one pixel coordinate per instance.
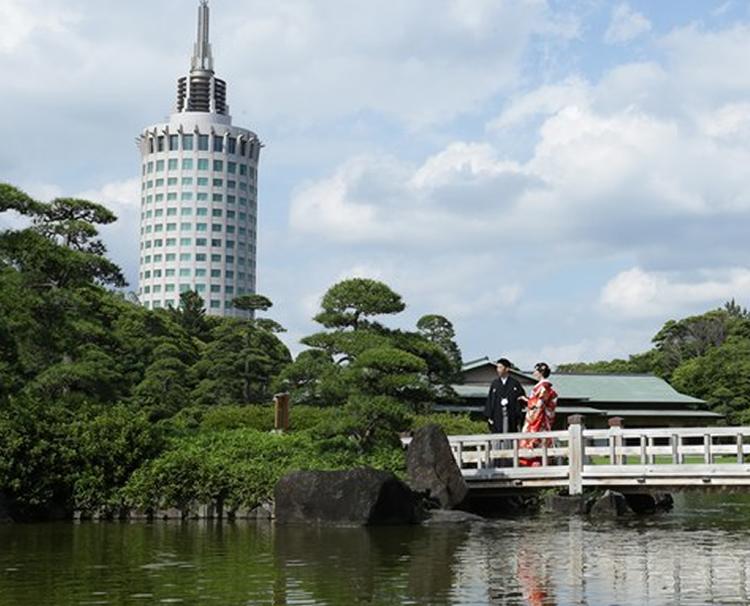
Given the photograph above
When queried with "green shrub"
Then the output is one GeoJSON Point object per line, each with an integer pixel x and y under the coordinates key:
{"type": "Point", "coordinates": [453, 424]}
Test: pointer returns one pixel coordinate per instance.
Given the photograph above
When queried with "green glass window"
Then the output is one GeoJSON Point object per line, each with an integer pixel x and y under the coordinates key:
{"type": "Point", "coordinates": [171, 196]}
{"type": "Point", "coordinates": [218, 165]}
{"type": "Point", "coordinates": [216, 227]}
{"type": "Point", "coordinates": [159, 166]}
{"type": "Point", "coordinates": [186, 226]}
{"type": "Point", "coordinates": [217, 197]}
{"type": "Point", "coordinates": [201, 227]}
{"type": "Point", "coordinates": [186, 195]}
{"type": "Point", "coordinates": [231, 168]}
{"type": "Point", "coordinates": [215, 258]}
{"type": "Point", "coordinates": [187, 164]}
{"type": "Point", "coordinates": [216, 273]}
{"type": "Point", "coordinates": [169, 273]}
{"type": "Point", "coordinates": [243, 170]}
{"type": "Point", "coordinates": [202, 142]}
{"type": "Point", "coordinates": [201, 242]}
{"type": "Point", "coordinates": [172, 164]}
{"type": "Point", "coordinates": [202, 181]}
{"type": "Point", "coordinates": [186, 241]}
{"type": "Point", "coordinates": [171, 181]}
{"type": "Point", "coordinates": [200, 287]}
{"type": "Point", "coordinates": [214, 288]}
{"type": "Point", "coordinates": [187, 143]}
{"type": "Point", "coordinates": [230, 199]}
{"type": "Point", "coordinates": [184, 272]}
{"type": "Point", "coordinates": [218, 182]}
{"type": "Point", "coordinates": [186, 181]}
{"type": "Point", "coordinates": [201, 211]}
{"type": "Point", "coordinates": [202, 164]}
{"type": "Point", "coordinates": [174, 142]}
{"type": "Point", "coordinates": [215, 304]}
{"type": "Point", "coordinates": [218, 143]}
{"type": "Point", "coordinates": [169, 288]}
{"type": "Point", "coordinates": [186, 212]}
{"type": "Point", "coordinates": [201, 196]}
{"type": "Point", "coordinates": [216, 212]}
{"type": "Point", "coordinates": [185, 256]}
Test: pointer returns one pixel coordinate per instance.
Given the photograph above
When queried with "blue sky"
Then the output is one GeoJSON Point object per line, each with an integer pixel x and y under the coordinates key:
{"type": "Point", "coordinates": [557, 178]}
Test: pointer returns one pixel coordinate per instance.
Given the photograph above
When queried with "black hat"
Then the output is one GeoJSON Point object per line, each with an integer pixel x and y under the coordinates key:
{"type": "Point", "coordinates": [505, 362]}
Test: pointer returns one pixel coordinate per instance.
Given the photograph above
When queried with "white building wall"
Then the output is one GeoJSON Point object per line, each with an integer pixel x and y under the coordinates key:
{"type": "Point", "coordinates": [199, 211]}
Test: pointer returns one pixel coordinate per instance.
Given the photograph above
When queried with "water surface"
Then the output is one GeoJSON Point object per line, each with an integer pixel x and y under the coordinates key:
{"type": "Point", "coordinates": [698, 554]}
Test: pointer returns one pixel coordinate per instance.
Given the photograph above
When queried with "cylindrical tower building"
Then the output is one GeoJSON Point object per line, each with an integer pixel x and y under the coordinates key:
{"type": "Point", "coordinates": [198, 195]}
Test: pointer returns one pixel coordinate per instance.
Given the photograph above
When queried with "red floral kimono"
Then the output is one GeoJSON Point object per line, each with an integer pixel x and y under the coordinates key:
{"type": "Point", "coordinates": [540, 415]}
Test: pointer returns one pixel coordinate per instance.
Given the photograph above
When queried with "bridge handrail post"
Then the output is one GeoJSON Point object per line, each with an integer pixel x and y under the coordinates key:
{"type": "Point", "coordinates": [615, 441]}
{"type": "Point", "coordinates": [575, 454]}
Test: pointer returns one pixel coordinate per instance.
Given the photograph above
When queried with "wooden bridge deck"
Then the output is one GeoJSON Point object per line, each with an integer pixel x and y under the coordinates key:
{"type": "Point", "coordinates": [623, 459]}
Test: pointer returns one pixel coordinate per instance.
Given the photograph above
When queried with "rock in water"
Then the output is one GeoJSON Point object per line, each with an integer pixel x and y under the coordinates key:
{"type": "Point", "coordinates": [360, 497]}
{"type": "Point", "coordinates": [431, 467]}
{"type": "Point", "coordinates": [610, 504]}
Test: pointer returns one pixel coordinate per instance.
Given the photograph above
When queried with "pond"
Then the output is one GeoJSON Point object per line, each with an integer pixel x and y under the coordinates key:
{"type": "Point", "coordinates": [697, 554]}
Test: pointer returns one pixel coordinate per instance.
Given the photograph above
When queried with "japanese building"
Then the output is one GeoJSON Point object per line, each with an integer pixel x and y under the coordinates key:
{"type": "Point", "coordinates": [640, 400]}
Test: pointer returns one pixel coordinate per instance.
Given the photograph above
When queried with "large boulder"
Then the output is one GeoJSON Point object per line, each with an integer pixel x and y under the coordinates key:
{"type": "Point", "coordinates": [359, 497]}
{"type": "Point", "coordinates": [431, 467]}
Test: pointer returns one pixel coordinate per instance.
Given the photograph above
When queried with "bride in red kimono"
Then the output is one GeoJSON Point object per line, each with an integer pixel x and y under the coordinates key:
{"type": "Point", "coordinates": [540, 413]}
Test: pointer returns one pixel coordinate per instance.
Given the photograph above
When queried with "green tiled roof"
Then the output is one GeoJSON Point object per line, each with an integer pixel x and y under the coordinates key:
{"type": "Point", "coordinates": [595, 389]}
{"type": "Point", "coordinates": [619, 388]}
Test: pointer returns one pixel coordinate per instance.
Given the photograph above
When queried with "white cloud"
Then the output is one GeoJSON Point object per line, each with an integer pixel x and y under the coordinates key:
{"type": "Point", "coordinates": [625, 25]}
{"type": "Point", "coordinates": [639, 293]}
{"type": "Point", "coordinates": [20, 20]}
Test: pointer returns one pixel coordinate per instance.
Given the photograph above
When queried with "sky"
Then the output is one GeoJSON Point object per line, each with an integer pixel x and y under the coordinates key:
{"type": "Point", "coordinates": [556, 178]}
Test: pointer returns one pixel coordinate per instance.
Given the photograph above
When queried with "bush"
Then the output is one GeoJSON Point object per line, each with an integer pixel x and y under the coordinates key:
{"type": "Point", "coordinates": [453, 424]}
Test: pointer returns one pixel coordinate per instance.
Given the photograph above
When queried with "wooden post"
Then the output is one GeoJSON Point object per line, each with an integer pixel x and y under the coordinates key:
{"type": "Point", "coordinates": [676, 449]}
{"type": "Point", "coordinates": [615, 441]}
{"type": "Point", "coordinates": [575, 454]}
{"type": "Point", "coordinates": [281, 411]}
{"type": "Point", "coordinates": [740, 449]}
{"type": "Point", "coordinates": [707, 449]}
{"type": "Point", "coordinates": [644, 442]}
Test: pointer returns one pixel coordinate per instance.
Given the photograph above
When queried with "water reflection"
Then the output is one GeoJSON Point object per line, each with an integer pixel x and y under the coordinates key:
{"type": "Point", "coordinates": [695, 555]}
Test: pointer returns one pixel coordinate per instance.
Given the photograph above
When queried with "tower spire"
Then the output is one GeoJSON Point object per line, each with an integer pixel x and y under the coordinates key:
{"type": "Point", "coordinates": [202, 59]}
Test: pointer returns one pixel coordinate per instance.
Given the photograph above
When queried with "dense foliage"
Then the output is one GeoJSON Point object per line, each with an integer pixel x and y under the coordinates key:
{"type": "Point", "coordinates": [107, 405]}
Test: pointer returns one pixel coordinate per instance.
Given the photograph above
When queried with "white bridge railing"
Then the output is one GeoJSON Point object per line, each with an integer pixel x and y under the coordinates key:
{"type": "Point", "coordinates": [615, 457]}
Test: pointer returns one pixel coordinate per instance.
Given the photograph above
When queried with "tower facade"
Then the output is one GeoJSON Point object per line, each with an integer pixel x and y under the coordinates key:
{"type": "Point", "coordinates": [199, 176]}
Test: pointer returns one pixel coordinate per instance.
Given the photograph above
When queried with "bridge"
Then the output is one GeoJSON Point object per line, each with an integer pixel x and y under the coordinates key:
{"type": "Point", "coordinates": [626, 460]}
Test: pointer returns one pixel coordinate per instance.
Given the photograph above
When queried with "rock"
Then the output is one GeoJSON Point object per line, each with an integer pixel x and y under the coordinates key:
{"type": "Point", "coordinates": [263, 511]}
{"type": "Point", "coordinates": [565, 504]}
{"type": "Point", "coordinates": [362, 496]}
{"type": "Point", "coordinates": [611, 504]}
{"type": "Point", "coordinates": [441, 517]}
{"type": "Point", "coordinates": [642, 503]}
{"type": "Point", "coordinates": [431, 467]}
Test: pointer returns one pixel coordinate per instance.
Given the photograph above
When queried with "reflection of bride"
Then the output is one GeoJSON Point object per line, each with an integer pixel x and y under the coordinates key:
{"type": "Point", "coordinates": [533, 578]}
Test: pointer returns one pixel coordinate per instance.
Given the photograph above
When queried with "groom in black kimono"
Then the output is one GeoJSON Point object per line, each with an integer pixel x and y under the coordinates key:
{"type": "Point", "coordinates": [503, 408]}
